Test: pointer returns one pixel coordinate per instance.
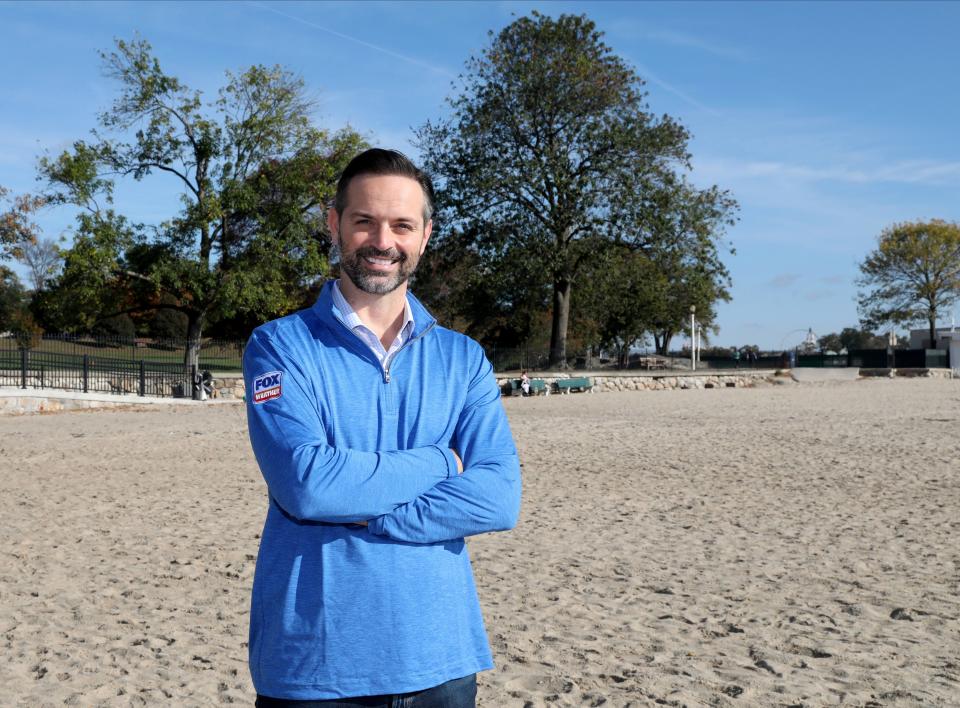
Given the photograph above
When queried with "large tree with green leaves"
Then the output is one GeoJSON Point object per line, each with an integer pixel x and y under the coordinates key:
{"type": "Point", "coordinates": [912, 275]}
{"type": "Point", "coordinates": [253, 176]}
{"type": "Point", "coordinates": [548, 152]}
{"type": "Point", "coordinates": [12, 298]}
{"type": "Point", "coordinates": [682, 237]}
{"type": "Point", "coordinates": [617, 301]}
{"type": "Point", "coordinates": [495, 294]}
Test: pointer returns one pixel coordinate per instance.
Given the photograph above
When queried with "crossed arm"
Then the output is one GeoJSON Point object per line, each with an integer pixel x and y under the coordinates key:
{"type": "Point", "coordinates": [459, 471]}
{"type": "Point", "coordinates": [466, 485]}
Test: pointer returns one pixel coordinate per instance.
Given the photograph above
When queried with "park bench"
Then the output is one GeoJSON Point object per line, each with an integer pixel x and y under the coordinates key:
{"type": "Point", "coordinates": [537, 386]}
{"type": "Point", "coordinates": [573, 384]}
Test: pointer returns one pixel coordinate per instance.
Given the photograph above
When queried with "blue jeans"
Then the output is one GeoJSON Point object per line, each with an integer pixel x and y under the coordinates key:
{"type": "Point", "coordinates": [459, 693]}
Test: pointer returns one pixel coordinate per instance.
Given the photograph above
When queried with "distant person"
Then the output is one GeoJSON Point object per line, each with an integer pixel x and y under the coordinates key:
{"type": "Point", "coordinates": [525, 383]}
{"type": "Point", "coordinates": [363, 593]}
{"type": "Point", "coordinates": [736, 358]}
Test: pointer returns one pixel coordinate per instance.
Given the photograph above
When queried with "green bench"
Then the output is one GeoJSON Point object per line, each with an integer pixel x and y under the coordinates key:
{"type": "Point", "coordinates": [537, 386]}
{"type": "Point", "coordinates": [574, 384]}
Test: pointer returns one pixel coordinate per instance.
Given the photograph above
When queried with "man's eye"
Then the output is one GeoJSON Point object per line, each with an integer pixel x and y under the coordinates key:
{"type": "Point", "coordinates": [405, 227]}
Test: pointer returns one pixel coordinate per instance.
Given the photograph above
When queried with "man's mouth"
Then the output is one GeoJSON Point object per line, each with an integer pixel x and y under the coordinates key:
{"type": "Point", "coordinates": [380, 262]}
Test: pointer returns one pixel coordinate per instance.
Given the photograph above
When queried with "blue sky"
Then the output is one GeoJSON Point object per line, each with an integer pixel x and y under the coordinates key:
{"type": "Point", "coordinates": [827, 121]}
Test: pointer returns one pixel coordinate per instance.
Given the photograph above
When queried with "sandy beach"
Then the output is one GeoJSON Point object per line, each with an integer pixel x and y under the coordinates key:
{"type": "Point", "coordinates": [791, 545]}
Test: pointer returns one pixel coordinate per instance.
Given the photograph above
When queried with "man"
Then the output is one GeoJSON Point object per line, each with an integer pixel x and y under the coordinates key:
{"type": "Point", "coordinates": [383, 444]}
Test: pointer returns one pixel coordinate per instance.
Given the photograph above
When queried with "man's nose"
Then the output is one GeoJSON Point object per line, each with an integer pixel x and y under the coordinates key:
{"type": "Point", "coordinates": [382, 237]}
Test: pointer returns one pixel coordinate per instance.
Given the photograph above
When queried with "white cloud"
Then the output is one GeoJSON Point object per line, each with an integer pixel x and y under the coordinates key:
{"type": "Point", "coordinates": [924, 172]}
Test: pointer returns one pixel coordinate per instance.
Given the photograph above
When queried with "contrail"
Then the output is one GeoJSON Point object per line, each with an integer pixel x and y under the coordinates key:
{"type": "Point", "coordinates": [654, 79]}
{"type": "Point", "coordinates": [383, 50]}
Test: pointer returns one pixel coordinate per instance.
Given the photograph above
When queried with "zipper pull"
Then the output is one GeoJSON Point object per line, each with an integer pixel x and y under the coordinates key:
{"type": "Point", "coordinates": [386, 375]}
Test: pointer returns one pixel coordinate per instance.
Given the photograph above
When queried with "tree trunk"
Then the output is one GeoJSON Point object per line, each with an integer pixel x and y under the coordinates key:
{"type": "Point", "coordinates": [662, 342]}
{"type": "Point", "coordinates": [932, 321]}
{"type": "Point", "coordinates": [558, 330]}
{"type": "Point", "coordinates": [191, 354]}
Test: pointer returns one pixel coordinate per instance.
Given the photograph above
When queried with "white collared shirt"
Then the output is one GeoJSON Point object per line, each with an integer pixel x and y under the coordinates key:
{"type": "Point", "coordinates": [353, 321]}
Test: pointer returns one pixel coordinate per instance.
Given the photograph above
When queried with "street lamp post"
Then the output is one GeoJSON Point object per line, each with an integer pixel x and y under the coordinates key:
{"type": "Point", "coordinates": [699, 341]}
{"type": "Point", "coordinates": [693, 337]}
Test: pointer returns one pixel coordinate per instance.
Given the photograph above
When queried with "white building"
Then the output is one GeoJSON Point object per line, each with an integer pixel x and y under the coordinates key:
{"type": "Point", "coordinates": [920, 338]}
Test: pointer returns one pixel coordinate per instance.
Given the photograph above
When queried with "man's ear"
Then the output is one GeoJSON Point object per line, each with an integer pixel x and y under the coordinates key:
{"type": "Point", "coordinates": [427, 230]}
{"type": "Point", "coordinates": [333, 223]}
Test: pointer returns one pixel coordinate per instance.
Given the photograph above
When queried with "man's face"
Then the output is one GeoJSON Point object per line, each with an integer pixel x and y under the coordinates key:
{"type": "Point", "coordinates": [381, 234]}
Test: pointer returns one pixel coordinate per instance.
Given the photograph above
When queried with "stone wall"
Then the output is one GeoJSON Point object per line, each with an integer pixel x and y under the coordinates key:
{"type": "Point", "coordinates": [16, 402]}
{"type": "Point", "coordinates": [909, 373]}
{"type": "Point", "coordinates": [19, 405]}
{"type": "Point", "coordinates": [660, 382]}
{"type": "Point", "coordinates": [227, 386]}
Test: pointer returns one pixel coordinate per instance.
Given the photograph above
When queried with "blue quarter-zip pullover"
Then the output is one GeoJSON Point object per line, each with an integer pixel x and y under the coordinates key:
{"type": "Point", "coordinates": [345, 610]}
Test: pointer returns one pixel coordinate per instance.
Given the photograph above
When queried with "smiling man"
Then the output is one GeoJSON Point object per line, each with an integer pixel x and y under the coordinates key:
{"type": "Point", "coordinates": [383, 444]}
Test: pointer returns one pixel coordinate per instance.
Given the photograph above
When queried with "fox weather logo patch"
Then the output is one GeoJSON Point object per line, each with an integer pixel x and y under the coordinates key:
{"type": "Point", "coordinates": [267, 386]}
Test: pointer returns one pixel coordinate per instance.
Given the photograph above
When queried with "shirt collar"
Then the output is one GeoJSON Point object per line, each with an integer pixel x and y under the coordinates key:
{"type": "Point", "coordinates": [352, 319]}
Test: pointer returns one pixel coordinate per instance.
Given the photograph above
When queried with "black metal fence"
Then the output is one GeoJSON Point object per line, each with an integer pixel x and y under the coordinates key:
{"type": "Point", "coordinates": [880, 359]}
{"type": "Point", "coordinates": [215, 354]}
{"type": "Point", "coordinates": [823, 361]}
{"type": "Point", "coordinates": [764, 361]}
{"type": "Point", "coordinates": [26, 369]}
{"type": "Point", "coordinates": [101, 365]}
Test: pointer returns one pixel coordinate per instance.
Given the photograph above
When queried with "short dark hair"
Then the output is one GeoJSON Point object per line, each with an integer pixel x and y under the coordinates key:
{"type": "Point", "coordinates": [377, 161]}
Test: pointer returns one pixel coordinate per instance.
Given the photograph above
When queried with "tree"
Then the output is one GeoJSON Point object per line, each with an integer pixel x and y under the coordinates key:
{"type": "Point", "coordinates": [17, 228]}
{"type": "Point", "coordinates": [548, 152]}
{"type": "Point", "coordinates": [12, 298]}
{"type": "Point", "coordinates": [830, 343]}
{"type": "Point", "coordinates": [618, 300]}
{"type": "Point", "coordinates": [912, 275]}
{"type": "Point", "coordinates": [851, 338]}
{"type": "Point", "coordinates": [253, 175]}
{"type": "Point", "coordinates": [649, 290]}
{"type": "Point", "coordinates": [683, 240]}
{"type": "Point", "coordinates": [493, 293]}
{"type": "Point", "coordinates": [42, 258]}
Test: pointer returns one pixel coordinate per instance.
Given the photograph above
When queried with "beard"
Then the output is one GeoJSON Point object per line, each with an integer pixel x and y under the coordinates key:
{"type": "Point", "coordinates": [372, 281]}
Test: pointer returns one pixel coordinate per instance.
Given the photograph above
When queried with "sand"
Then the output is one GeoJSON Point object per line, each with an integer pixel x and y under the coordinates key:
{"type": "Point", "coordinates": [778, 546]}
